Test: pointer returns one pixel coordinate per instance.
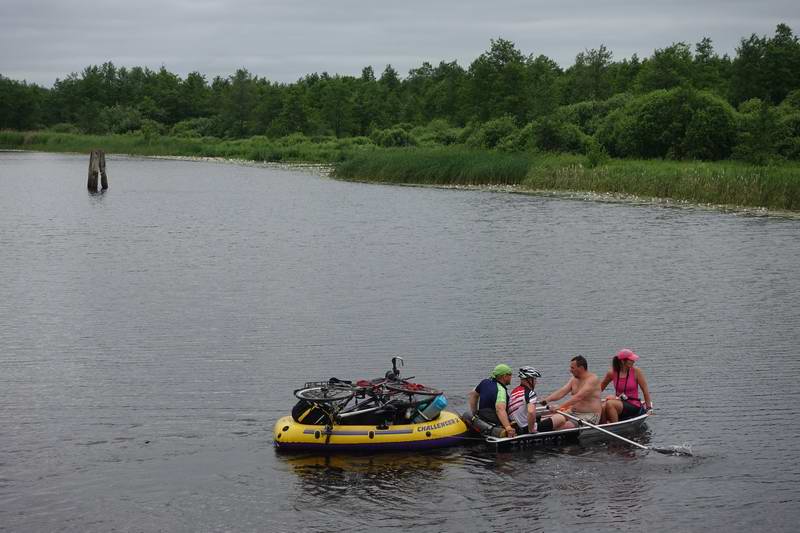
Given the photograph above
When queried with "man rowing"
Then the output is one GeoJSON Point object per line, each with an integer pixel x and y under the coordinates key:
{"type": "Point", "coordinates": [585, 403]}
{"type": "Point", "coordinates": [489, 400]}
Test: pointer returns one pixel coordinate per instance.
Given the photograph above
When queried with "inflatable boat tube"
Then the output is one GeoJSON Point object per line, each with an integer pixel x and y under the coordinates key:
{"type": "Point", "coordinates": [446, 430]}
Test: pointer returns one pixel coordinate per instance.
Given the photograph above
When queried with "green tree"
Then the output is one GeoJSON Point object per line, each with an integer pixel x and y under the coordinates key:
{"type": "Point", "coordinates": [749, 74]}
{"type": "Point", "coordinates": [669, 67]}
{"type": "Point", "coordinates": [589, 78]}
{"type": "Point", "coordinates": [623, 74]}
{"type": "Point", "coordinates": [367, 105]}
{"type": "Point", "coordinates": [238, 102]}
{"type": "Point", "coordinates": [782, 64]}
{"type": "Point", "coordinates": [336, 107]}
{"type": "Point", "coordinates": [789, 125]}
{"type": "Point", "coordinates": [710, 70]}
{"type": "Point", "coordinates": [194, 97]}
{"type": "Point", "coordinates": [766, 68]}
{"type": "Point", "coordinates": [759, 133]}
{"type": "Point", "coordinates": [445, 94]}
{"type": "Point", "coordinates": [294, 115]}
{"type": "Point", "coordinates": [497, 82]}
{"type": "Point", "coordinates": [268, 108]}
{"type": "Point", "coordinates": [543, 87]}
{"type": "Point", "coordinates": [367, 74]}
{"type": "Point", "coordinates": [20, 105]}
{"type": "Point", "coordinates": [389, 79]}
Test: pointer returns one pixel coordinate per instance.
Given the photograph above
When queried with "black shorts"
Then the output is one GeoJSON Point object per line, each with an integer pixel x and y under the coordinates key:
{"type": "Point", "coordinates": [629, 410]}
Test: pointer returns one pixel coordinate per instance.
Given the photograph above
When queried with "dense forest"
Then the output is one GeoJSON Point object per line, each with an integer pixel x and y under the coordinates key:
{"type": "Point", "coordinates": [682, 102]}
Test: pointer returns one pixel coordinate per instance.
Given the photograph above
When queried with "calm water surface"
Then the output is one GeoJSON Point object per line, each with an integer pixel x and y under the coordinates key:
{"type": "Point", "coordinates": [151, 336]}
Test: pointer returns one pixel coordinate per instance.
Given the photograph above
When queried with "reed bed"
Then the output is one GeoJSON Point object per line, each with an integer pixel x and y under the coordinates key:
{"type": "Point", "coordinates": [721, 183]}
{"type": "Point", "coordinates": [436, 167]}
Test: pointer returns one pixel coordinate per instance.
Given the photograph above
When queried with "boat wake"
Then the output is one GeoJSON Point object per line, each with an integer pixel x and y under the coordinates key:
{"type": "Point", "coordinates": [683, 449]}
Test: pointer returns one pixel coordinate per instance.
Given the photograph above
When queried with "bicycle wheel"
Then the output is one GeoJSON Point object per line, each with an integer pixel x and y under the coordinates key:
{"type": "Point", "coordinates": [325, 393]}
{"type": "Point", "coordinates": [412, 388]}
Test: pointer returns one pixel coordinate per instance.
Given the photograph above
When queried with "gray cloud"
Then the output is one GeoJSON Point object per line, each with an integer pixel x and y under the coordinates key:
{"type": "Point", "coordinates": [282, 40]}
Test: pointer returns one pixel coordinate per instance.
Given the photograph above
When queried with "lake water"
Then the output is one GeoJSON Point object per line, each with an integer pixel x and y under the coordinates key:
{"type": "Point", "coordinates": [152, 335]}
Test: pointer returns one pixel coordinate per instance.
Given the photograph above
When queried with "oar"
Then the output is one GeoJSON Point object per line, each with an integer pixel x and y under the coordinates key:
{"type": "Point", "coordinates": [667, 451]}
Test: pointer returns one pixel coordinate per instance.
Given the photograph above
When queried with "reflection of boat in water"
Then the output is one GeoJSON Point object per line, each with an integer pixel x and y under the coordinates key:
{"type": "Point", "coordinates": [385, 414]}
{"type": "Point", "coordinates": [582, 433]}
{"type": "Point", "coordinates": [388, 465]}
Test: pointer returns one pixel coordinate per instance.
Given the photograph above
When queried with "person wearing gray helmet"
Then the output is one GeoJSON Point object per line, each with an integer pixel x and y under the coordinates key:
{"type": "Point", "coordinates": [522, 404]}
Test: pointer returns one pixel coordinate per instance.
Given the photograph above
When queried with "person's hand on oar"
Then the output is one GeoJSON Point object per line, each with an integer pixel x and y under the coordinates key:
{"type": "Point", "coordinates": [553, 408]}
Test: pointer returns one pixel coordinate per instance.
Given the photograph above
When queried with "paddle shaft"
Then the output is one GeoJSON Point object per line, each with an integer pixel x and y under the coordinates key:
{"type": "Point", "coordinates": [620, 437]}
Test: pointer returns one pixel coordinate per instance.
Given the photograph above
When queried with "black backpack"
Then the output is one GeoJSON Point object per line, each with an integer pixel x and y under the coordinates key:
{"type": "Point", "coordinates": [305, 412]}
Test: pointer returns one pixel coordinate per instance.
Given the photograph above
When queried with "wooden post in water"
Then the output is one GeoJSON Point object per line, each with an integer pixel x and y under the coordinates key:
{"type": "Point", "coordinates": [97, 165]}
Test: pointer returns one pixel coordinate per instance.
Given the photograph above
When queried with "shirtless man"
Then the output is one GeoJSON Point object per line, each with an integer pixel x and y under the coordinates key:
{"type": "Point", "coordinates": [585, 403]}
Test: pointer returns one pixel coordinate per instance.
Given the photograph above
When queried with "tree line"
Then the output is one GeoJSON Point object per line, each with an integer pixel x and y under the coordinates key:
{"type": "Point", "coordinates": [681, 102]}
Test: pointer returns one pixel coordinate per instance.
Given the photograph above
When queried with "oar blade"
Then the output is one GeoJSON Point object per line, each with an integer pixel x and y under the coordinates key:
{"type": "Point", "coordinates": [684, 450]}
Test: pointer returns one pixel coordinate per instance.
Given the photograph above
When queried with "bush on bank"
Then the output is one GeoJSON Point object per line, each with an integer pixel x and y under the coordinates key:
{"type": "Point", "coordinates": [680, 123]}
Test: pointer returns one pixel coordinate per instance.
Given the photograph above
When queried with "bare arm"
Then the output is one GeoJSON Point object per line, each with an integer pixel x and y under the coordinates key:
{"type": "Point", "coordinates": [606, 380]}
{"type": "Point", "coordinates": [472, 399]}
{"type": "Point", "coordinates": [531, 416]}
{"type": "Point", "coordinates": [560, 393]}
{"type": "Point", "coordinates": [502, 415]}
{"type": "Point", "coordinates": [584, 392]}
{"type": "Point", "coordinates": [648, 402]}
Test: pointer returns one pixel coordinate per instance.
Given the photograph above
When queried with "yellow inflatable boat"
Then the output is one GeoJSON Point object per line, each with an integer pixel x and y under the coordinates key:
{"type": "Point", "coordinates": [445, 430]}
{"type": "Point", "coordinates": [387, 413]}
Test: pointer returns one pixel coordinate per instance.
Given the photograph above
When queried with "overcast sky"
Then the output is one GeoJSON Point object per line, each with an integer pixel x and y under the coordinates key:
{"type": "Point", "coordinates": [41, 40]}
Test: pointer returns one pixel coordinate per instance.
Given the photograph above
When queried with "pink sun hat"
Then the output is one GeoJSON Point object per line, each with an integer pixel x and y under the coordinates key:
{"type": "Point", "coordinates": [627, 354]}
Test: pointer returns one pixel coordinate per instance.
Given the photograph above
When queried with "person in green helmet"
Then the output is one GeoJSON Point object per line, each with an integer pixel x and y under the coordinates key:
{"type": "Point", "coordinates": [489, 400]}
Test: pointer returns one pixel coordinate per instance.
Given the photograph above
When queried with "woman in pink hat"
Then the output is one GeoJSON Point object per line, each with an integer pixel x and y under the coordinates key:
{"type": "Point", "coordinates": [627, 379]}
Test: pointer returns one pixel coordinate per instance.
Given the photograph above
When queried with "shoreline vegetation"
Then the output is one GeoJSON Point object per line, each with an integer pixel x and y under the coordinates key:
{"type": "Point", "coordinates": [774, 187]}
{"type": "Point", "coordinates": [685, 124]}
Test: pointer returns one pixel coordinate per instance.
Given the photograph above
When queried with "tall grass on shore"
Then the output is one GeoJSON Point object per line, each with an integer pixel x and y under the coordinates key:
{"type": "Point", "coordinates": [436, 166]}
{"type": "Point", "coordinates": [723, 183]}
{"type": "Point", "coordinates": [730, 183]}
